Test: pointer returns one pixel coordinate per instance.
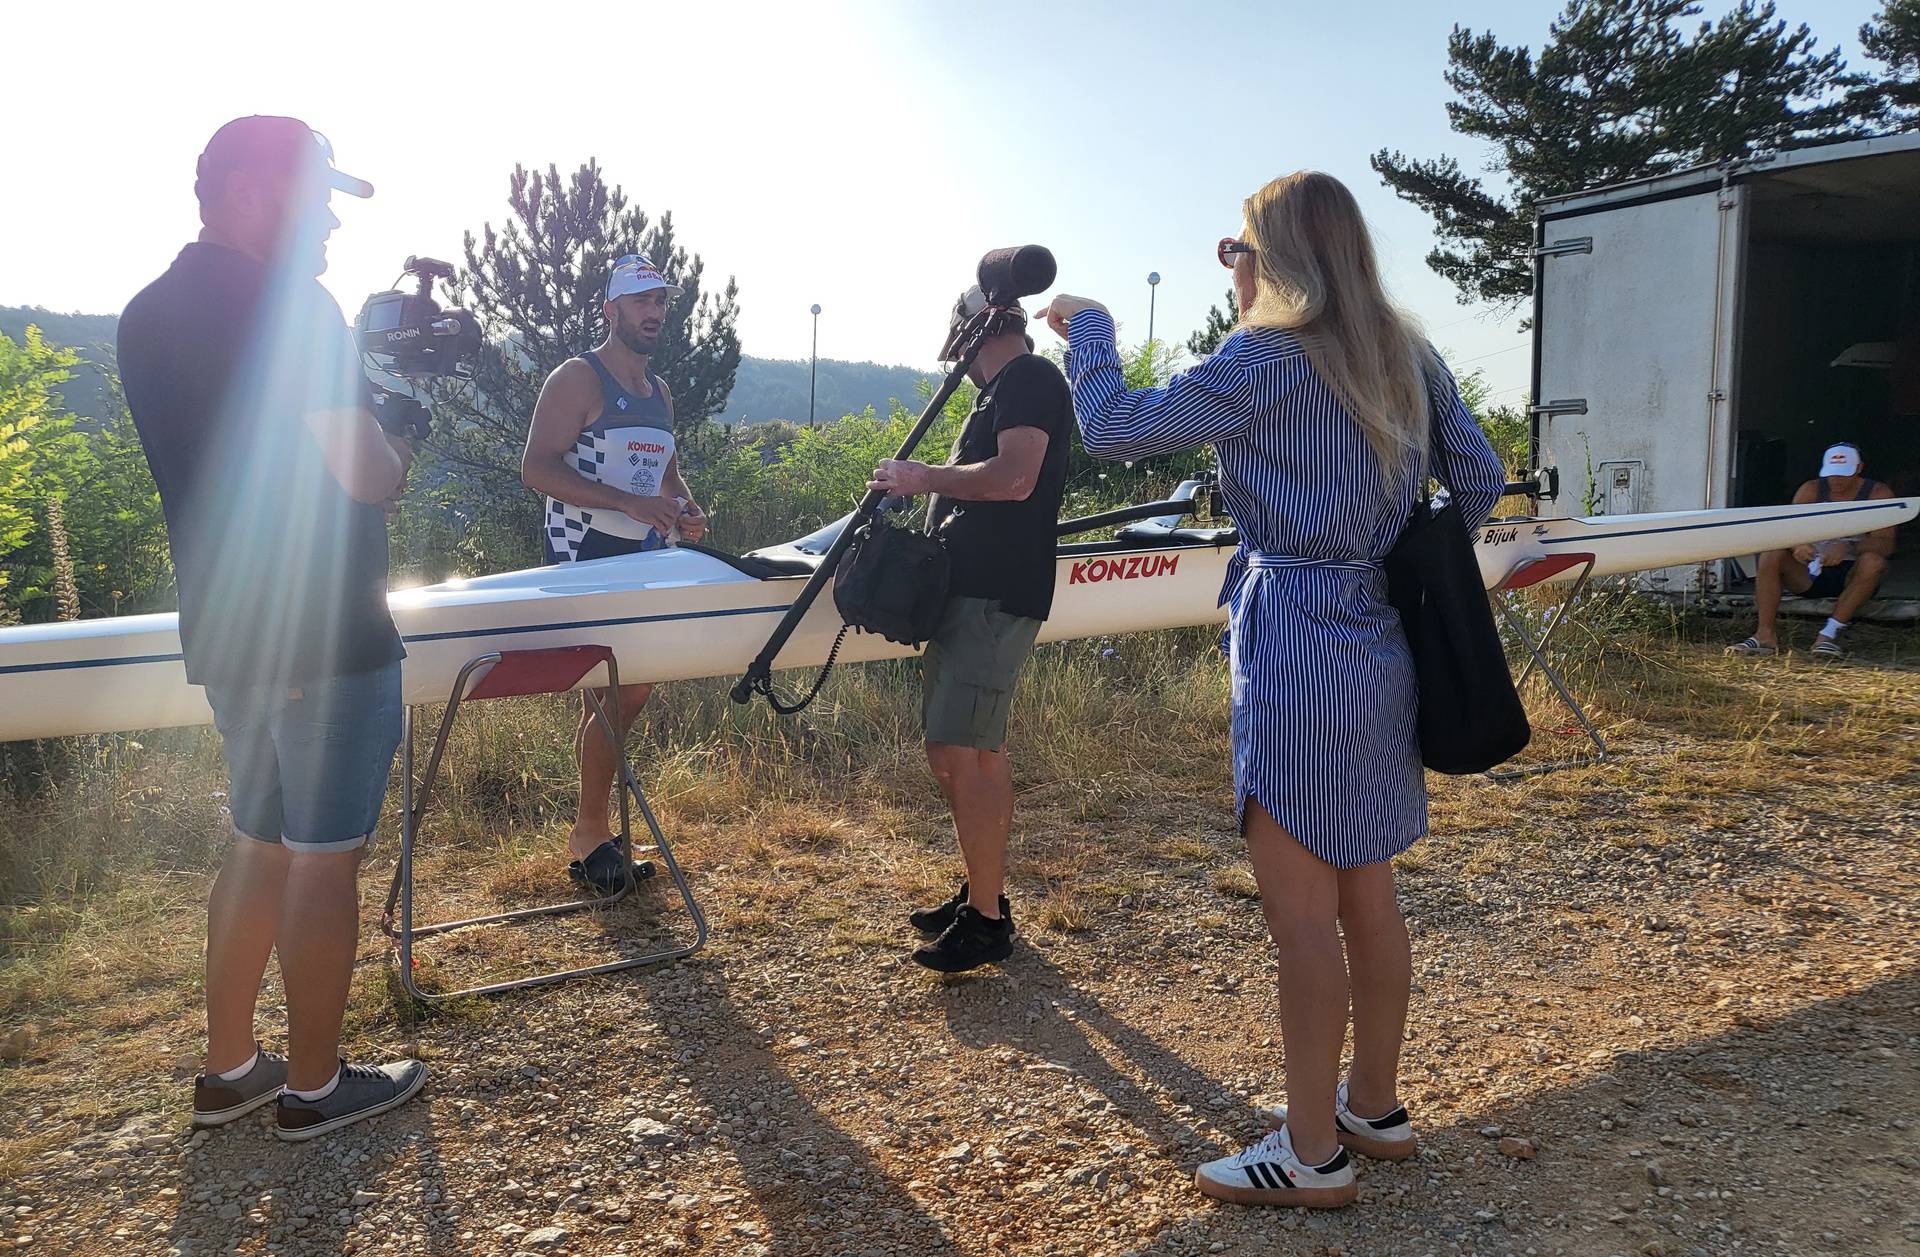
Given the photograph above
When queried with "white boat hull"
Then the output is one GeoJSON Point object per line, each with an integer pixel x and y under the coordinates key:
{"type": "Point", "coordinates": [677, 614]}
{"type": "Point", "coordinates": [669, 616]}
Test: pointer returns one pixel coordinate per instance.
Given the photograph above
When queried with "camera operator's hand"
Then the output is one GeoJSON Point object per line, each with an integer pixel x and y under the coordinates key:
{"type": "Point", "coordinates": [660, 514]}
{"type": "Point", "coordinates": [900, 478]}
{"type": "Point", "coordinates": [403, 450]}
{"type": "Point", "coordinates": [1061, 310]}
{"type": "Point", "coordinates": [693, 521]}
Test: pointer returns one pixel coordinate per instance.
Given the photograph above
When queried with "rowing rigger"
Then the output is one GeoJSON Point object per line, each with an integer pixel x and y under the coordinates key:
{"type": "Point", "coordinates": [682, 613]}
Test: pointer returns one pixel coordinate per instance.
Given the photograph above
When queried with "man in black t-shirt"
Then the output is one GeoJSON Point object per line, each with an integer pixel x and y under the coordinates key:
{"type": "Point", "coordinates": [996, 503]}
{"type": "Point", "coordinates": [246, 388]}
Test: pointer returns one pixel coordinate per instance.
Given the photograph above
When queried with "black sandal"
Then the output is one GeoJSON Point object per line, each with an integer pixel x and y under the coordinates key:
{"type": "Point", "coordinates": [604, 869]}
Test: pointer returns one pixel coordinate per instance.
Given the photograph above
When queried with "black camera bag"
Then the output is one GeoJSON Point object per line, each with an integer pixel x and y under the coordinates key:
{"type": "Point", "coordinates": [893, 582]}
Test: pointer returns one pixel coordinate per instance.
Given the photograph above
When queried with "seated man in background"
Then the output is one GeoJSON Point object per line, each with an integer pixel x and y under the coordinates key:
{"type": "Point", "coordinates": [1846, 569]}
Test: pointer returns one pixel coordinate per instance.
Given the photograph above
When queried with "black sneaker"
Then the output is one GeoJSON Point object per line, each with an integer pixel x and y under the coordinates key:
{"type": "Point", "coordinates": [971, 941]}
{"type": "Point", "coordinates": [604, 869]}
{"type": "Point", "coordinates": [934, 921]}
{"type": "Point", "coordinates": [364, 1091]}
{"type": "Point", "coordinates": [217, 1101]}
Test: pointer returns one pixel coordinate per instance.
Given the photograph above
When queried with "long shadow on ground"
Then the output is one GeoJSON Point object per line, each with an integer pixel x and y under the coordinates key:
{"type": "Point", "coordinates": [1754, 1140]}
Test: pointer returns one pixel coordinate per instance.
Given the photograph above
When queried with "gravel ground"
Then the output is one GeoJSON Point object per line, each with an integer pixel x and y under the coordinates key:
{"type": "Point", "coordinates": [1704, 1046]}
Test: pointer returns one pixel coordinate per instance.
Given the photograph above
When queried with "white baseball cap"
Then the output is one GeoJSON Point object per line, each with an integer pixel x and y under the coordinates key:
{"type": "Point", "coordinates": [1840, 460]}
{"type": "Point", "coordinates": [634, 273]}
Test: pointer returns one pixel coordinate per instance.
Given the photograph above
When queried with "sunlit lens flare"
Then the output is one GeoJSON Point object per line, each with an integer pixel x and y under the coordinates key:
{"type": "Point", "coordinates": [270, 504]}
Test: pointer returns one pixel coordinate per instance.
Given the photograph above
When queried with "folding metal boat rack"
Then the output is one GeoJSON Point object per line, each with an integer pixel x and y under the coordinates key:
{"type": "Point", "coordinates": [510, 674]}
{"type": "Point", "coordinates": [1526, 573]}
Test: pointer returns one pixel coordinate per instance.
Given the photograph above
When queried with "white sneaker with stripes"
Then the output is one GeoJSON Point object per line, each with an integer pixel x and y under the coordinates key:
{"type": "Point", "coordinates": [1388, 1138]}
{"type": "Point", "coordinates": [1270, 1174]}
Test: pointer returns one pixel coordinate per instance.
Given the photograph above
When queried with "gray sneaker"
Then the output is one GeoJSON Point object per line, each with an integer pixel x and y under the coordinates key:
{"type": "Point", "coordinates": [217, 1101]}
{"type": "Point", "coordinates": [364, 1091]}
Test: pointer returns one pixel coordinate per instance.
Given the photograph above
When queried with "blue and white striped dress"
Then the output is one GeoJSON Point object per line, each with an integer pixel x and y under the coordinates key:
{"type": "Point", "coordinates": [1323, 684]}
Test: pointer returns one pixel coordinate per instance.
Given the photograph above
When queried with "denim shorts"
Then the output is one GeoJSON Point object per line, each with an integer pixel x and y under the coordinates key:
{"type": "Point", "coordinates": [308, 765]}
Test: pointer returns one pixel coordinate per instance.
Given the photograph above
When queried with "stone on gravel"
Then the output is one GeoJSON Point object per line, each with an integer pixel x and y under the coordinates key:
{"type": "Point", "coordinates": [546, 1237]}
{"type": "Point", "coordinates": [646, 1131]}
{"type": "Point", "coordinates": [1519, 1149]}
{"type": "Point", "coordinates": [15, 1046]}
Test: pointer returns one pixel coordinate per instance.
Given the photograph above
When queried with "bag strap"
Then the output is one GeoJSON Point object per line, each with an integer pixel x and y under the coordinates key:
{"type": "Point", "coordinates": [764, 685]}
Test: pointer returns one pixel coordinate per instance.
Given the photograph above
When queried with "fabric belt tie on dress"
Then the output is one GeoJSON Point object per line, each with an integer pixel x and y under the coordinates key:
{"type": "Point", "coordinates": [1260, 559]}
{"type": "Point", "coordinates": [1244, 560]}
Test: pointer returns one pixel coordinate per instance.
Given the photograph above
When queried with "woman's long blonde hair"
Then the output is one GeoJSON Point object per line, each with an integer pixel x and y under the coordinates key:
{"type": "Point", "coordinates": [1317, 277]}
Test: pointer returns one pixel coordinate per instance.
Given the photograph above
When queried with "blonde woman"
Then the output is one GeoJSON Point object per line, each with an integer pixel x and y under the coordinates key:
{"type": "Point", "coordinates": [1321, 407]}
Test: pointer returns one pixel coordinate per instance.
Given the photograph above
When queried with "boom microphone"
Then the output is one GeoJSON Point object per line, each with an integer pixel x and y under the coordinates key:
{"type": "Point", "coordinates": [1006, 275]}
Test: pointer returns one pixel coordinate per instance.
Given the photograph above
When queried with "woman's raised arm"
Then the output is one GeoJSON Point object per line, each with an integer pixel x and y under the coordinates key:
{"type": "Point", "coordinates": [1211, 402]}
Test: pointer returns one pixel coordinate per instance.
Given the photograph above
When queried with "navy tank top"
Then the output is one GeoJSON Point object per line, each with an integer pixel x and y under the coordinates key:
{"type": "Point", "coordinates": [629, 446]}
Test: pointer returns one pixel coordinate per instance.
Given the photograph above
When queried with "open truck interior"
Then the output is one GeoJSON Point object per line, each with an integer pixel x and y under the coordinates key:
{"type": "Point", "coordinates": [1830, 342]}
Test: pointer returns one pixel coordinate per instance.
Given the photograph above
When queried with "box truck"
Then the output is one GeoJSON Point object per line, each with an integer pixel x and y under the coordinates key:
{"type": "Point", "coordinates": [1700, 337]}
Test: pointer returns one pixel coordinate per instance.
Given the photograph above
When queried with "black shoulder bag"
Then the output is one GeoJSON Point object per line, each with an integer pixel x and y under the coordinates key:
{"type": "Point", "coordinates": [1469, 715]}
{"type": "Point", "coordinates": [893, 581]}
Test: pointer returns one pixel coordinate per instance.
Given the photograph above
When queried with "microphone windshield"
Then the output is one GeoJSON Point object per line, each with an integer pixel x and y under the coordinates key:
{"type": "Point", "coordinates": [1006, 275]}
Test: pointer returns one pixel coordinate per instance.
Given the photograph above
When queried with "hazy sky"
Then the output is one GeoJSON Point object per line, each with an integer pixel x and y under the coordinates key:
{"type": "Point", "coordinates": [860, 155]}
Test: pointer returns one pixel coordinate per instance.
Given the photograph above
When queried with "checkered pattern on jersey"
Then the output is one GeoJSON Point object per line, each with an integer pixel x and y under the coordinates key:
{"type": "Point", "coordinates": [566, 523]}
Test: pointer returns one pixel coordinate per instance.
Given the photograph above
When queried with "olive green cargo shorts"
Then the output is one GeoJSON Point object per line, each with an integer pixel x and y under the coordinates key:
{"type": "Point", "coordinates": [969, 671]}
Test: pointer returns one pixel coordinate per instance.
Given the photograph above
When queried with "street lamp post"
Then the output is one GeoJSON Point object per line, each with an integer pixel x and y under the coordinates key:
{"type": "Point", "coordinates": [1153, 290]}
{"type": "Point", "coordinates": [813, 372]}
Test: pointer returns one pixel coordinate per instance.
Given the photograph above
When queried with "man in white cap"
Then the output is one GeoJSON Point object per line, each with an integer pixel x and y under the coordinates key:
{"type": "Point", "coordinates": [601, 448]}
{"type": "Point", "coordinates": [1846, 569]}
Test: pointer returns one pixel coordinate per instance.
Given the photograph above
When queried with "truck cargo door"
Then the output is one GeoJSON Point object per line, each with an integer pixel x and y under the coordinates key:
{"type": "Point", "coordinates": [1636, 311]}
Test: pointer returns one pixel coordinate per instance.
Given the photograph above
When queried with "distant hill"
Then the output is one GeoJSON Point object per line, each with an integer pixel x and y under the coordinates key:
{"type": "Point", "coordinates": [92, 334]}
{"type": "Point", "coordinates": [775, 388]}
{"type": "Point", "coordinates": [764, 388]}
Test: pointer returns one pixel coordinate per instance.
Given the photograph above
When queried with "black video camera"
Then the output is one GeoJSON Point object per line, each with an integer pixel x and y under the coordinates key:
{"type": "Point", "coordinates": [409, 334]}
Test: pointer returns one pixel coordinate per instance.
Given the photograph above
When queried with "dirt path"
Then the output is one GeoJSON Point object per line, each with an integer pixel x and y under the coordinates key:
{"type": "Point", "coordinates": [1709, 1028]}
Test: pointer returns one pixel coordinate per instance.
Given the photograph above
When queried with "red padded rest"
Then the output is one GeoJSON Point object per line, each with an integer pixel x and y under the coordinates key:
{"type": "Point", "coordinates": [552, 671]}
{"type": "Point", "coordinates": [1533, 571]}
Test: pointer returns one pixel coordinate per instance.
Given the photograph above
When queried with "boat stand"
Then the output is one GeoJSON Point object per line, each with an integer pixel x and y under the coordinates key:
{"type": "Point", "coordinates": [1524, 574]}
{"type": "Point", "coordinates": [510, 674]}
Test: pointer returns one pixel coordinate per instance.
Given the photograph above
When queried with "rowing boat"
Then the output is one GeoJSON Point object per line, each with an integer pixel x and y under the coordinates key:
{"type": "Point", "coordinates": [681, 613]}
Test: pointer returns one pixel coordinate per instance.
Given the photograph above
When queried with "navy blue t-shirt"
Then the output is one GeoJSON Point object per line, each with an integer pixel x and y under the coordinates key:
{"type": "Point", "coordinates": [282, 575]}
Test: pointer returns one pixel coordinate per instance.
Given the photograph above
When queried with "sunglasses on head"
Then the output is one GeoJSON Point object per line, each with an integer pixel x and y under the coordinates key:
{"type": "Point", "coordinates": [1227, 248]}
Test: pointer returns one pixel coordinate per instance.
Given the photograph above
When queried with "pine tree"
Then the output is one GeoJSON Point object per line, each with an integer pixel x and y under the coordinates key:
{"type": "Point", "coordinates": [1616, 92]}
{"type": "Point", "coordinates": [1218, 327]}
{"type": "Point", "coordinates": [1892, 37]}
{"type": "Point", "coordinates": [538, 283]}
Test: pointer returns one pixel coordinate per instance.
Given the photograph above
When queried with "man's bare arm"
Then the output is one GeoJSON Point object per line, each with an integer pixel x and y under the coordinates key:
{"type": "Point", "coordinates": [1009, 476]}
{"type": "Point", "coordinates": [369, 464]}
{"type": "Point", "coordinates": [546, 466]}
{"type": "Point", "coordinates": [1880, 540]}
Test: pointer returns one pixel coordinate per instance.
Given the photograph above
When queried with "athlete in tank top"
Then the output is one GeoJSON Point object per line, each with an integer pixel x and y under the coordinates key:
{"type": "Point", "coordinates": [628, 446]}
{"type": "Point", "coordinates": [601, 449]}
